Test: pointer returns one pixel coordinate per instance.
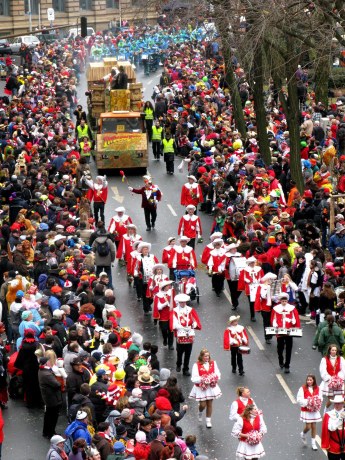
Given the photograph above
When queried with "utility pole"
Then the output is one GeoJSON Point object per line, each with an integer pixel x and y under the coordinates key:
{"type": "Point", "coordinates": [30, 16]}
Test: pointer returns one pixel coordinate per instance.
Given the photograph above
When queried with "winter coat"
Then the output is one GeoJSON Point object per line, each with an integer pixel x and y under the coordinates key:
{"type": "Point", "coordinates": [50, 388]}
{"type": "Point", "coordinates": [68, 357]}
{"type": "Point", "coordinates": [74, 380]}
{"type": "Point", "coordinates": [108, 259]}
{"type": "Point", "coordinates": [19, 260]}
{"type": "Point", "coordinates": [100, 404]}
{"type": "Point", "coordinates": [54, 453]}
{"type": "Point", "coordinates": [335, 242]}
{"type": "Point", "coordinates": [103, 446]}
{"type": "Point", "coordinates": [54, 303]}
{"type": "Point", "coordinates": [58, 326]}
{"type": "Point", "coordinates": [327, 338]}
{"type": "Point", "coordinates": [78, 429]}
{"type": "Point", "coordinates": [84, 401]}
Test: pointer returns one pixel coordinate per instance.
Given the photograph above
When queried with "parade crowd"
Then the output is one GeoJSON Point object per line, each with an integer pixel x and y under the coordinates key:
{"type": "Point", "coordinates": [63, 344]}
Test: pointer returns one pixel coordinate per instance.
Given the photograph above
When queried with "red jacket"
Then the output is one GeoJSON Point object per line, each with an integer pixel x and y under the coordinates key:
{"type": "Point", "coordinates": [191, 194]}
{"type": "Point", "coordinates": [329, 439]}
{"type": "Point", "coordinates": [190, 226]}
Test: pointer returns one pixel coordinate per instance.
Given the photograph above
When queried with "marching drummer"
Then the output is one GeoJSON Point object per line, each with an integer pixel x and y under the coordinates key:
{"type": "Point", "coordinates": [284, 316]}
{"type": "Point", "coordinates": [263, 301]}
{"type": "Point", "coordinates": [216, 266]}
{"type": "Point", "coordinates": [232, 272]}
{"type": "Point", "coordinates": [236, 340]}
{"type": "Point", "coordinates": [249, 280]}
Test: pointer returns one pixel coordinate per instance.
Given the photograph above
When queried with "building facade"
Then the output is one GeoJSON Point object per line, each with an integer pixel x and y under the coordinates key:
{"type": "Point", "coordinates": [15, 17]}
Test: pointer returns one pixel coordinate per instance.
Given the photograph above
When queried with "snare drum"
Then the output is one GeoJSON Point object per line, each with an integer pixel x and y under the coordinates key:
{"type": "Point", "coordinates": [282, 331]}
{"type": "Point", "coordinates": [295, 332]}
{"type": "Point", "coordinates": [244, 350]}
{"type": "Point", "coordinates": [270, 330]}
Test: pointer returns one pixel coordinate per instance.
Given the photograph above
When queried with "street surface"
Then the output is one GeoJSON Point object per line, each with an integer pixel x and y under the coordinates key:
{"type": "Point", "coordinates": [273, 391]}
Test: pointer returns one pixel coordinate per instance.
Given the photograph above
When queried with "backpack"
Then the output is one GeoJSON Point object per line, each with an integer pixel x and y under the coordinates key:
{"type": "Point", "coordinates": [103, 249]}
{"type": "Point", "coordinates": [72, 411]}
{"type": "Point", "coordinates": [68, 444]}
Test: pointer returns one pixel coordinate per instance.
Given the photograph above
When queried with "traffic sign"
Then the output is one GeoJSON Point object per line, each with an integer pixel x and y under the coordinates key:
{"type": "Point", "coordinates": [51, 14]}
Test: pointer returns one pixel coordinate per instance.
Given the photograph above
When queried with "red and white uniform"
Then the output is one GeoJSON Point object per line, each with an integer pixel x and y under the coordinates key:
{"type": "Point", "coordinates": [130, 266]}
{"type": "Point", "coordinates": [153, 284]}
{"type": "Point", "coordinates": [97, 192]}
{"type": "Point", "coordinates": [231, 272]}
{"type": "Point", "coordinates": [190, 226]}
{"type": "Point", "coordinates": [167, 255]}
{"type": "Point", "coordinates": [143, 266]}
{"type": "Point", "coordinates": [206, 253]}
{"type": "Point", "coordinates": [249, 280]}
{"type": "Point", "coordinates": [162, 305]}
{"type": "Point", "coordinates": [285, 316]}
{"type": "Point", "coordinates": [184, 320]}
{"type": "Point", "coordinates": [329, 367]}
{"type": "Point", "coordinates": [244, 449]}
{"type": "Point", "coordinates": [199, 371]}
{"type": "Point", "coordinates": [126, 247]}
{"type": "Point", "coordinates": [263, 300]}
{"type": "Point", "coordinates": [303, 394]}
{"type": "Point", "coordinates": [184, 258]}
{"type": "Point", "coordinates": [217, 261]}
{"type": "Point", "coordinates": [332, 430]}
{"type": "Point", "coordinates": [191, 194]}
{"type": "Point", "coordinates": [237, 407]}
{"type": "Point", "coordinates": [235, 336]}
{"type": "Point", "coordinates": [118, 225]}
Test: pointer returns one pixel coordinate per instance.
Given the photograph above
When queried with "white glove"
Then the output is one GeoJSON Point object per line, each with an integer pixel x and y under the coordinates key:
{"type": "Point", "coordinates": [130, 189]}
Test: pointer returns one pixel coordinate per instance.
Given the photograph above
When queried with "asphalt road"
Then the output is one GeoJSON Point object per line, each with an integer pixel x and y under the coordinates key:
{"type": "Point", "coordinates": [273, 391]}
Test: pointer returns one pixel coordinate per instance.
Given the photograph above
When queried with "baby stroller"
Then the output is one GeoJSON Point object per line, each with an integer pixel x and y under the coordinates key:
{"type": "Point", "coordinates": [186, 284]}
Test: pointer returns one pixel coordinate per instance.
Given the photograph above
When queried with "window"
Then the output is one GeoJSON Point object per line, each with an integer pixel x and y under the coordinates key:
{"type": "Point", "coordinates": [85, 4]}
{"type": "Point", "coordinates": [4, 8]}
{"type": "Point", "coordinates": [114, 4]}
{"type": "Point", "coordinates": [33, 4]}
{"type": "Point", "coordinates": [137, 3]}
{"type": "Point", "coordinates": [59, 5]}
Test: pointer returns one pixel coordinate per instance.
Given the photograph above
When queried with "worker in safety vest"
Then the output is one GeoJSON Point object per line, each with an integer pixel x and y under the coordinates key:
{"type": "Point", "coordinates": [83, 130]}
{"type": "Point", "coordinates": [149, 117]}
{"type": "Point", "coordinates": [169, 149]}
{"type": "Point", "coordinates": [157, 136]}
{"type": "Point", "coordinates": [85, 149]}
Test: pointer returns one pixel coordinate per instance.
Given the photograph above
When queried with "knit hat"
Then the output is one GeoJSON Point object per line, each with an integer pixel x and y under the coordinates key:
{"type": "Point", "coordinates": [26, 314]}
{"type": "Point", "coordinates": [140, 436]}
{"type": "Point", "coordinates": [120, 430]}
{"type": "Point", "coordinates": [119, 447]}
{"type": "Point", "coordinates": [137, 393]}
{"type": "Point", "coordinates": [126, 413]}
{"type": "Point", "coordinates": [163, 403]}
{"type": "Point", "coordinates": [164, 374]}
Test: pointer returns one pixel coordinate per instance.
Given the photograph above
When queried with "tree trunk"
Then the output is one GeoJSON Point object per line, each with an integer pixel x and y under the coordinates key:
{"type": "Point", "coordinates": [292, 116]}
{"type": "Point", "coordinates": [235, 95]}
{"type": "Point", "coordinates": [322, 73]}
{"type": "Point", "coordinates": [259, 105]}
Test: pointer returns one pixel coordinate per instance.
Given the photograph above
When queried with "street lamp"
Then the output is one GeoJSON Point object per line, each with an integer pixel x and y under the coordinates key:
{"type": "Point", "coordinates": [30, 16]}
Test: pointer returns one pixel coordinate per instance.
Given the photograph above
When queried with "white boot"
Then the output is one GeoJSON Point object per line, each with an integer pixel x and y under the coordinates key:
{"type": "Point", "coordinates": [313, 444]}
{"type": "Point", "coordinates": [208, 422]}
{"type": "Point", "coordinates": [303, 438]}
